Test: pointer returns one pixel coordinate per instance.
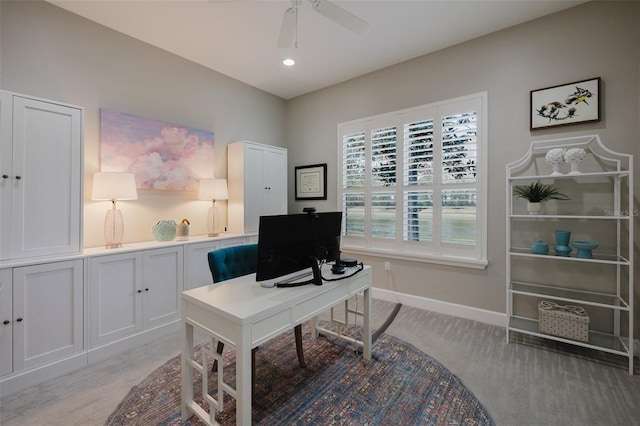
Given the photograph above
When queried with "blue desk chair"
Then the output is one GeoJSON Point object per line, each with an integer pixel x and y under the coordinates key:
{"type": "Point", "coordinates": [232, 262]}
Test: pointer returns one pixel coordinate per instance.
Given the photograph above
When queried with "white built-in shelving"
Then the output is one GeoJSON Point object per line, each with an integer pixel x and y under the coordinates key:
{"type": "Point", "coordinates": [600, 209]}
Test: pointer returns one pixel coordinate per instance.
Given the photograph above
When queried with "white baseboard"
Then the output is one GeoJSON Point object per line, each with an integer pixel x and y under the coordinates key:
{"type": "Point", "coordinates": [25, 379]}
{"type": "Point", "coordinates": [22, 380]}
{"type": "Point", "coordinates": [461, 311]}
{"type": "Point", "coordinates": [107, 350]}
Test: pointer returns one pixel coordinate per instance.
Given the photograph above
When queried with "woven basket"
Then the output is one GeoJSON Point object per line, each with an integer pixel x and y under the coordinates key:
{"type": "Point", "coordinates": [571, 322]}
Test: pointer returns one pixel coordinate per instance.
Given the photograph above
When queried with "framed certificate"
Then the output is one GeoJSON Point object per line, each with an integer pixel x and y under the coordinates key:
{"type": "Point", "coordinates": [311, 182]}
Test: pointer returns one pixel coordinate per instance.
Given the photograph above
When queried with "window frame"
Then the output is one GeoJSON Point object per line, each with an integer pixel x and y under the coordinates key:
{"type": "Point", "coordinates": [397, 248]}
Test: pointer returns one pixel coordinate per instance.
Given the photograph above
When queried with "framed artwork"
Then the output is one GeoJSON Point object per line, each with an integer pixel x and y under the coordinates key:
{"type": "Point", "coordinates": [311, 182]}
{"type": "Point", "coordinates": [571, 103]}
{"type": "Point", "coordinates": [161, 155]}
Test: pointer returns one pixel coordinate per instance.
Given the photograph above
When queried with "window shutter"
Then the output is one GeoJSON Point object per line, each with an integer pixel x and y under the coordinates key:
{"type": "Point", "coordinates": [459, 148]}
{"type": "Point", "coordinates": [417, 224]}
{"type": "Point", "coordinates": [353, 160]}
{"type": "Point", "coordinates": [418, 153]}
{"type": "Point", "coordinates": [383, 157]}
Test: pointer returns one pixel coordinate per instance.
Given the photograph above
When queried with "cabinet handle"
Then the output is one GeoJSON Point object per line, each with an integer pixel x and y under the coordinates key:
{"type": "Point", "coordinates": [19, 320]}
{"type": "Point", "coordinates": [5, 176]}
{"type": "Point", "coordinates": [18, 177]}
{"type": "Point", "coordinates": [146, 289]}
{"type": "Point", "coordinates": [139, 291]}
{"type": "Point", "coordinates": [6, 322]}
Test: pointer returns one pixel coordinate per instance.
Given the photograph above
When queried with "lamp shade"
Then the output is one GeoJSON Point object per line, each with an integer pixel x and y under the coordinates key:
{"type": "Point", "coordinates": [114, 186]}
{"type": "Point", "coordinates": [213, 189]}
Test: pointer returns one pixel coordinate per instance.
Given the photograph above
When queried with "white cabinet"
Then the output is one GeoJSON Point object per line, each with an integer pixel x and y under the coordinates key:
{"type": "Point", "coordinates": [6, 321]}
{"type": "Point", "coordinates": [134, 291]}
{"type": "Point", "coordinates": [41, 156]}
{"type": "Point", "coordinates": [196, 271]}
{"type": "Point", "coordinates": [257, 179]}
{"type": "Point", "coordinates": [41, 311]}
{"type": "Point", "coordinates": [162, 274]}
{"type": "Point", "coordinates": [115, 304]}
{"type": "Point", "coordinates": [600, 209]}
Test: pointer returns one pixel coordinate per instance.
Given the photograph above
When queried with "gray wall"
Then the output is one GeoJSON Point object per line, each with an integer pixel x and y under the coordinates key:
{"type": "Point", "coordinates": [591, 40]}
{"type": "Point", "coordinates": [51, 53]}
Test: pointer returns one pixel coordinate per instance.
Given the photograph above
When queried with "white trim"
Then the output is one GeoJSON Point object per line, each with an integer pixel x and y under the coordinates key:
{"type": "Point", "coordinates": [467, 312]}
{"type": "Point", "coordinates": [435, 251]}
{"type": "Point", "coordinates": [463, 262]}
{"type": "Point", "coordinates": [24, 379]}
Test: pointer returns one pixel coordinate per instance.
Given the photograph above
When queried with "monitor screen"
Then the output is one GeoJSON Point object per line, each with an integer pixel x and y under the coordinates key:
{"type": "Point", "coordinates": [294, 242]}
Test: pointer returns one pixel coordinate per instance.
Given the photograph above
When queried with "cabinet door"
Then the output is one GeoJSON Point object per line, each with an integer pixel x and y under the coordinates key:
{"type": "Point", "coordinates": [48, 298]}
{"type": "Point", "coordinates": [46, 178]}
{"type": "Point", "coordinates": [275, 176]}
{"type": "Point", "coordinates": [255, 187]}
{"type": "Point", "coordinates": [115, 304]}
{"type": "Point", "coordinates": [6, 322]}
{"type": "Point", "coordinates": [162, 285]}
{"type": "Point", "coordinates": [6, 143]}
{"type": "Point", "coordinates": [196, 271]}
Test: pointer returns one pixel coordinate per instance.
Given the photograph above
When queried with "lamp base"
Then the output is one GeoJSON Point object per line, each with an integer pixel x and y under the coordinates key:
{"type": "Point", "coordinates": [113, 228]}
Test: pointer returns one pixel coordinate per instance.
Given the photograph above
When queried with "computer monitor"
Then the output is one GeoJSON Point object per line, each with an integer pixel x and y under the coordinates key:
{"type": "Point", "coordinates": [289, 244]}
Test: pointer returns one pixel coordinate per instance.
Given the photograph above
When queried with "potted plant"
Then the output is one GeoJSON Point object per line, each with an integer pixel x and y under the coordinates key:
{"type": "Point", "coordinates": [536, 193]}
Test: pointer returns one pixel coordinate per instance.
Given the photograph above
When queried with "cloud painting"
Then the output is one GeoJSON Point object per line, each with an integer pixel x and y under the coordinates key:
{"type": "Point", "coordinates": [160, 155]}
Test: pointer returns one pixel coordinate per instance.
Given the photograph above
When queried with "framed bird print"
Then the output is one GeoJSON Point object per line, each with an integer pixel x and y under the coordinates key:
{"type": "Point", "coordinates": [571, 103]}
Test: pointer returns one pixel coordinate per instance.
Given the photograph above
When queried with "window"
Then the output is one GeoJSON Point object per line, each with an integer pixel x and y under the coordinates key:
{"type": "Point", "coordinates": [413, 183]}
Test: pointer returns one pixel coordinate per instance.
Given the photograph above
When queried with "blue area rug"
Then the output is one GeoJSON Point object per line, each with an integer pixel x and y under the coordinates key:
{"type": "Point", "coordinates": [399, 386]}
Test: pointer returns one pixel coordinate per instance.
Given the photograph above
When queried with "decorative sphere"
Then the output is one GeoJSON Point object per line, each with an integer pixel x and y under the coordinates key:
{"type": "Point", "coordinates": [555, 156]}
{"type": "Point", "coordinates": [574, 155]}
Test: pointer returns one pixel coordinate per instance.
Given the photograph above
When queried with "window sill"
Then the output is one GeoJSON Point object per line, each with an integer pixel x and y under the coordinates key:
{"type": "Point", "coordinates": [461, 262]}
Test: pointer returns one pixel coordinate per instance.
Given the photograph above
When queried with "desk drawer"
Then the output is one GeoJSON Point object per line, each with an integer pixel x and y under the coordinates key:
{"type": "Point", "coordinates": [271, 326]}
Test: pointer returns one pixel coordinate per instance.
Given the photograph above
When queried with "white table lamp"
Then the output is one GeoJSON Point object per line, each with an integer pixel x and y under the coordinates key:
{"type": "Point", "coordinates": [114, 186]}
{"type": "Point", "coordinates": [212, 189]}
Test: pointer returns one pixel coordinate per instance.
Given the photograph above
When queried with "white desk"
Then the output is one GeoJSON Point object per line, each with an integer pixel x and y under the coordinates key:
{"type": "Point", "coordinates": [243, 314]}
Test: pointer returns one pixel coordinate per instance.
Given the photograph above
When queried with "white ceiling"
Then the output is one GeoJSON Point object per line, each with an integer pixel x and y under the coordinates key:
{"type": "Point", "coordinates": [238, 38]}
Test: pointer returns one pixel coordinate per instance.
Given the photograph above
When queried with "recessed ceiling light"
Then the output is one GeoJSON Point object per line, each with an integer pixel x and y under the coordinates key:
{"type": "Point", "coordinates": [289, 62]}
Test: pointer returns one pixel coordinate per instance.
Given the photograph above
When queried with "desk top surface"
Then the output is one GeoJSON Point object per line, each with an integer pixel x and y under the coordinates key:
{"type": "Point", "coordinates": [243, 298]}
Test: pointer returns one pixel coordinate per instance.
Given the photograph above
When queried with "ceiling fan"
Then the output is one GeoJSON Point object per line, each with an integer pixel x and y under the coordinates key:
{"type": "Point", "coordinates": [289, 27]}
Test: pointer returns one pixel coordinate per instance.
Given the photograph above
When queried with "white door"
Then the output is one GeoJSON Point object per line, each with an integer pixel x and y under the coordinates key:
{"type": "Point", "coordinates": [162, 285]}
{"type": "Point", "coordinates": [275, 173]}
{"type": "Point", "coordinates": [6, 173]}
{"type": "Point", "coordinates": [48, 299]}
{"type": "Point", "coordinates": [46, 178]}
{"type": "Point", "coordinates": [255, 187]}
{"type": "Point", "coordinates": [115, 293]}
{"type": "Point", "coordinates": [6, 322]}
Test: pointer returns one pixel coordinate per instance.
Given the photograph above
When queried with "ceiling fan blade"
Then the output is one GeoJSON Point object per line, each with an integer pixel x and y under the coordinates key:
{"type": "Point", "coordinates": [288, 27]}
{"type": "Point", "coordinates": [340, 16]}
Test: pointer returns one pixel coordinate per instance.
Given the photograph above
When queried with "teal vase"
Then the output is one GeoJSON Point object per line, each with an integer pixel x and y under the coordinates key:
{"type": "Point", "coordinates": [562, 243]}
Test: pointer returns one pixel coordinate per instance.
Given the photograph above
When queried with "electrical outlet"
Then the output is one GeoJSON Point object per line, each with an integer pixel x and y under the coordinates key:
{"type": "Point", "coordinates": [387, 266]}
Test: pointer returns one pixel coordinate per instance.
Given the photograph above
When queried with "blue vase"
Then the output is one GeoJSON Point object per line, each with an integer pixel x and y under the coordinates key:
{"type": "Point", "coordinates": [562, 243]}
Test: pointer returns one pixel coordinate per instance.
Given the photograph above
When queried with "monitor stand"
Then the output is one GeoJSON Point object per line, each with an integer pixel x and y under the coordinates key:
{"type": "Point", "coordinates": [317, 276]}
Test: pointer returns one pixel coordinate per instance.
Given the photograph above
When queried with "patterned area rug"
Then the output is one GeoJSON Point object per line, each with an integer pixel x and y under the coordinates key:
{"type": "Point", "coordinates": [399, 386]}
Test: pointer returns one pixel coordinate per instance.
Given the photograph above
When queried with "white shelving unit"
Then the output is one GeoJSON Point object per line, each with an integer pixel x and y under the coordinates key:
{"type": "Point", "coordinates": [600, 209]}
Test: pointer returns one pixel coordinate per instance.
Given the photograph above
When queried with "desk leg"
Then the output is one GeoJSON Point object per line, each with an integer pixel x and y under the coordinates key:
{"type": "Point", "coordinates": [366, 338]}
{"type": "Point", "coordinates": [187, 372]}
{"type": "Point", "coordinates": [243, 380]}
